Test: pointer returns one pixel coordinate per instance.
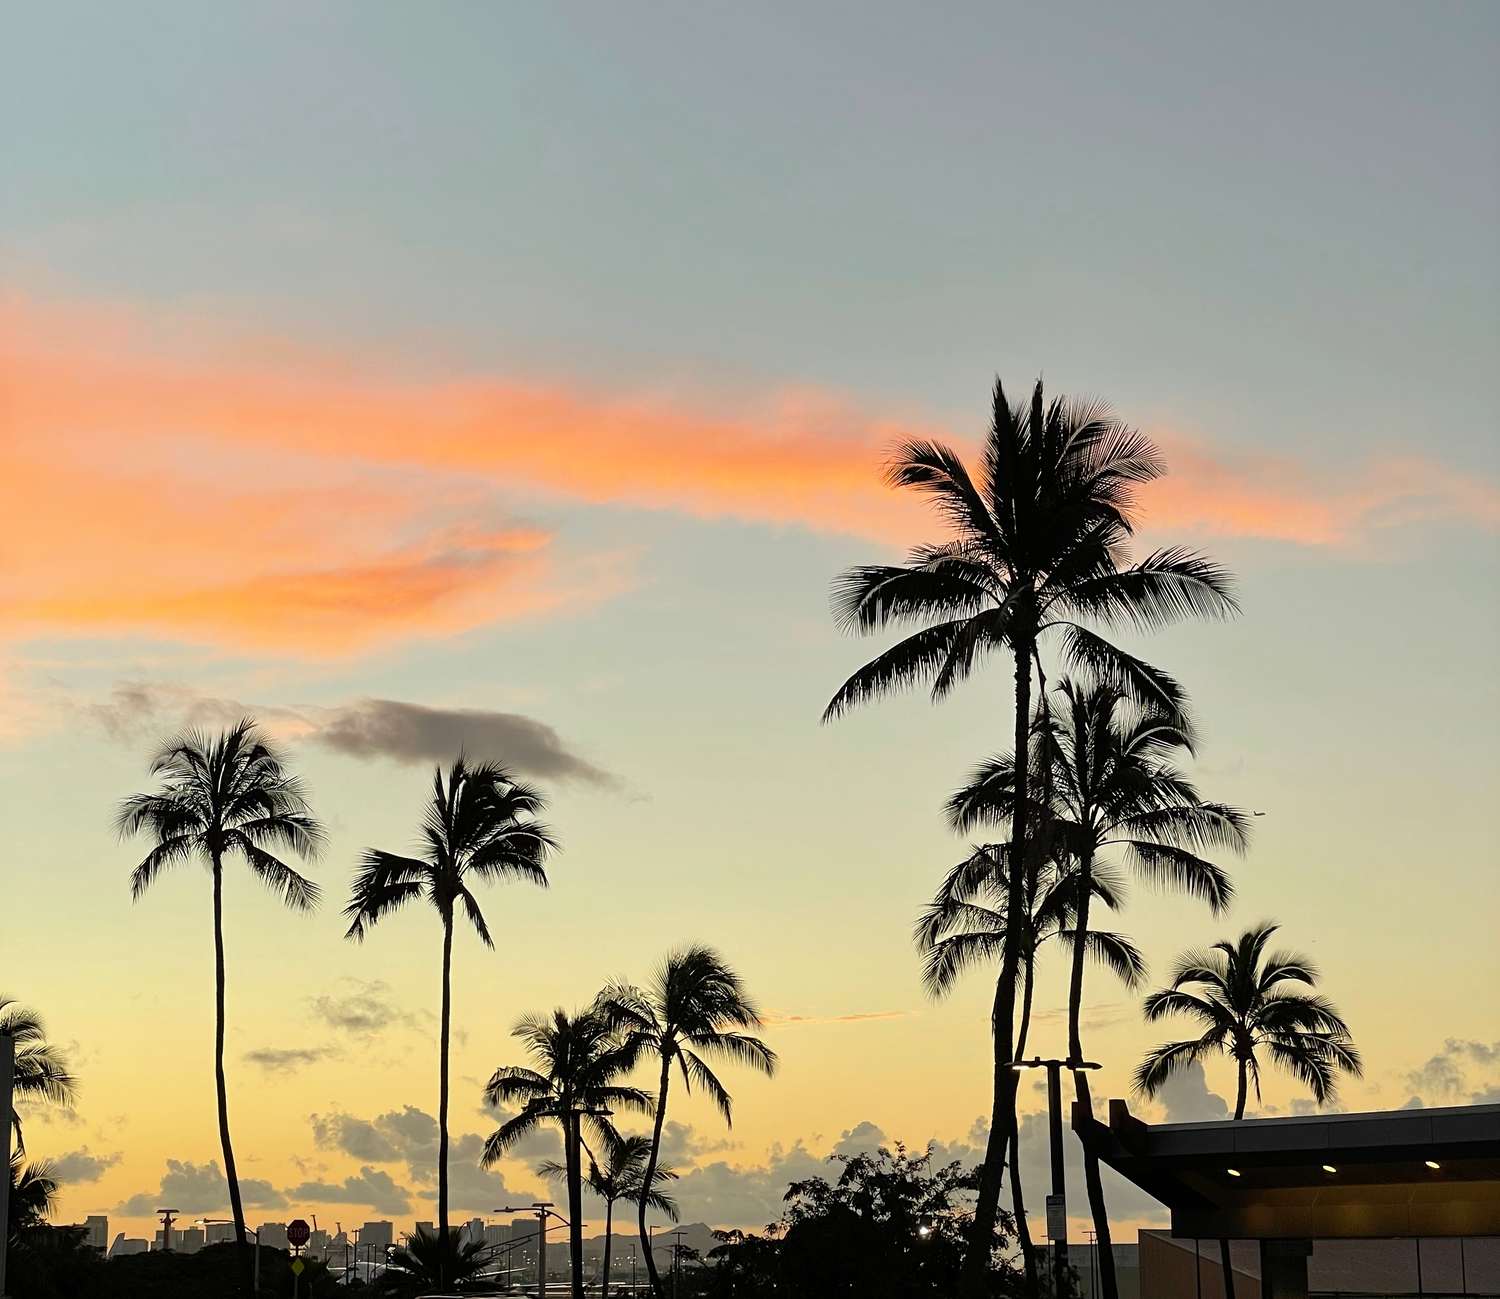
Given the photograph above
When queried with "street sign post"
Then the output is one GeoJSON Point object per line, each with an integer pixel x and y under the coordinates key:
{"type": "Point", "coordinates": [297, 1233]}
{"type": "Point", "coordinates": [1057, 1218]}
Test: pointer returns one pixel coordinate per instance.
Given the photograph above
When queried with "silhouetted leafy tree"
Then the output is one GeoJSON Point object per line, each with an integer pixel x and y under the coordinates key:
{"type": "Point", "coordinates": [1244, 1010]}
{"type": "Point", "coordinates": [479, 826]}
{"type": "Point", "coordinates": [1037, 546]}
{"type": "Point", "coordinates": [431, 1261]}
{"type": "Point", "coordinates": [688, 1015]}
{"type": "Point", "coordinates": [581, 1056]}
{"type": "Point", "coordinates": [1112, 791]}
{"type": "Point", "coordinates": [225, 796]}
{"type": "Point", "coordinates": [889, 1227]}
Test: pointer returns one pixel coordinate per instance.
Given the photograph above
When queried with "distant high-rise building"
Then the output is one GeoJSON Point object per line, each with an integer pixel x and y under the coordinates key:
{"type": "Point", "coordinates": [473, 1229]}
{"type": "Point", "coordinates": [218, 1233]}
{"type": "Point", "coordinates": [379, 1234]}
{"type": "Point", "coordinates": [122, 1246]}
{"type": "Point", "coordinates": [425, 1227]}
{"type": "Point", "coordinates": [93, 1231]}
{"type": "Point", "coordinates": [273, 1235]}
{"type": "Point", "coordinates": [495, 1232]}
{"type": "Point", "coordinates": [189, 1240]}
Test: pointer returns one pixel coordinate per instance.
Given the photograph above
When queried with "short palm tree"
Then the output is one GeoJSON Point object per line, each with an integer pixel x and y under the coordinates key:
{"type": "Point", "coordinates": [582, 1056]}
{"type": "Point", "coordinates": [479, 826]}
{"type": "Point", "coordinates": [1037, 546]}
{"type": "Point", "coordinates": [41, 1069]}
{"type": "Point", "coordinates": [223, 796]}
{"type": "Point", "coordinates": [689, 1014]}
{"type": "Point", "coordinates": [1243, 1008]}
{"type": "Point", "coordinates": [1112, 791]}
{"type": "Point", "coordinates": [427, 1261]}
{"type": "Point", "coordinates": [965, 925]}
{"type": "Point", "coordinates": [621, 1178]}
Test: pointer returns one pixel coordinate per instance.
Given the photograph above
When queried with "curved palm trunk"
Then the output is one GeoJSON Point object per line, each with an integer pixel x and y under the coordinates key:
{"type": "Point", "coordinates": [573, 1137]}
{"type": "Point", "coordinates": [1092, 1180]}
{"type": "Point", "coordinates": [443, 1038]}
{"type": "Point", "coordinates": [237, 1208]}
{"type": "Point", "coordinates": [609, 1219]}
{"type": "Point", "coordinates": [1017, 1199]}
{"type": "Point", "coordinates": [649, 1180]}
{"type": "Point", "coordinates": [1003, 1100]}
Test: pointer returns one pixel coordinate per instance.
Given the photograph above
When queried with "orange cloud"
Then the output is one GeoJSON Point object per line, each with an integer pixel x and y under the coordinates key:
{"type": "Point", "coordinates": [164, 477]}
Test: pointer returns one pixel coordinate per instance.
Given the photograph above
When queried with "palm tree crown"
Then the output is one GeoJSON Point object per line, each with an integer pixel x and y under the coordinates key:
{"type": "Point", "coordinates": [41, 1069]}
{"type": "Point", "coordinates": [1243, 1007]}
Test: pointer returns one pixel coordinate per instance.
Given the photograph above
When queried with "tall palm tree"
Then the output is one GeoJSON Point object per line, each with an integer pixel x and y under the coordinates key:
{"type": "Point", "coordinates": [965, 925]}
{"type": "Point", "coordinates": [582, 1056]}
{"type": "Point", "coordinates": [1037, 546]}
{"type": "Point", "coordinates": [1111, 791]}
{"type": "Point", "coordinates": [688, 1014]}
{"type": "Point", "coordinates": [41, 1069]}
{"type": "Point", "coordinates": [479, 826]}
{"type": "Point", "coordinates": [222, 796]}
{"type": "Point", "coordinates": [621, 1178]}
{"type": "Point", "coordinates": [1243, 1008]}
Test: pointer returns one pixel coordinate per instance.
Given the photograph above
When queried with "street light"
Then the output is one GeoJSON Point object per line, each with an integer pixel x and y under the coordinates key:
{"type": "Point", "coordinates": [1057, 1204]}
{"type": "Point", "coordinates": [204, 1222]}
{"type": "Point", "coordinates": [542, 1209]}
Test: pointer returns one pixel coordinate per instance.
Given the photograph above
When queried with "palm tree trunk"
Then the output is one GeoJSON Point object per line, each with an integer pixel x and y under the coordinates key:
{"type": "Point", "coordinates": [443, 1038]}
{"type": "Point", "coordinates": [1239, 1113]}
{"type": "Point", "coordinates": [1023, 1229]}
{"type": "Point", "coordinates": [649, 1180]}
{"type": "Point", "coordinates": [574, 1160]}
{"type": "Point", "coordinates": [609, 1218]}
{"type": "Point", "coordinates": [1002, 1018]}
{"type": "Point", "coordinates": [237, 1209]}
{"type": "Point", "coordinates": [1106, 1254]}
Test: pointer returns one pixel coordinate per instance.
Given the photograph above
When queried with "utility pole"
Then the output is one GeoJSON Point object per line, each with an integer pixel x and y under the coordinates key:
{"type": "Point", "coordinates": [168, 1217]}
{"type": "Point", "coordinates": [7, 1086]}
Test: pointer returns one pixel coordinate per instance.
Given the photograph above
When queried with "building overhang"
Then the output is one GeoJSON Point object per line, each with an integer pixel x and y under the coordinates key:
{"type": "Point", "coordinates": [1426, 1172]}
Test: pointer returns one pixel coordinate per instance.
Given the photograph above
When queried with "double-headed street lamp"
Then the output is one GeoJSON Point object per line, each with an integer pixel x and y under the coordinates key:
{"type": "Point", "coordinates": [1057, 1202]}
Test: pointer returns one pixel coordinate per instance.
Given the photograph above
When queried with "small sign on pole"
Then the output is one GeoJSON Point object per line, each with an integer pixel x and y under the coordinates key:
{"type": "Point", "coordinates": [1057, 1218]}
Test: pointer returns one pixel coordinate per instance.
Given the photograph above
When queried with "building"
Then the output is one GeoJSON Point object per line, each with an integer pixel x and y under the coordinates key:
{"type": "Point", "coordinates": [424, 1228]}
{"type": "Point", "coordinates": [122, 1246]}
{"type": "Point", "coordinates": [273, 1235]}
{"type": "Point", "coordinates": [93, 1231]}
{"type": "Point", "coordinates": [379, 1234]}
{"type": "Point", "coordinates": [189, 1240]}
{"type": "Point", "coordinates": [218, 1233]}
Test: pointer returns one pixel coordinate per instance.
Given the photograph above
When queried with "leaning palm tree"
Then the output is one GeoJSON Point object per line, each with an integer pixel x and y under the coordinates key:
{"type": "Point", "coordinates": [621, 1178]}
{"type": "Point", "coordinates": [1112, 791]}
{"type": "Point", "coordinates": [41, 1069]}
{"type": "Point", "coordinates": [583, 1055]}
{"type": "Point", "coordinates": [1244, 1010]}
{"type": "Point", "coordinates": [479, 826]}
{"type": "Point", "coordinates": [1037, 547]}
{"type": "Point", "coordinates": [688, 1014]}
{"type": "Point", "coordinates": [965, 925]}
{"type": "Point", "coordinates": [222, 796]}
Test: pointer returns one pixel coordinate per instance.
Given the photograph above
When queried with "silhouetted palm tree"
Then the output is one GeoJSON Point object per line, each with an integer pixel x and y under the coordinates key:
{"type": "Point", "coordinates": [582, 1056]}
{"type": "Point", "coordinates": [479, 826]}
{"type": "Point", "coordinates": [428, 1261]}
{"type": "Point", "coordinates": [224, 796]}
{"type": "Point", "coordinates": [1112, 790]}
{"type": "Point", "coordinates": [41, 1070]}
{"type": "Point", "coordinates": [621, 1178]}
{"type": "Point", "coordinates": [1243, 1009]}
{"type": "Point", "coordinates": [965, 925]}
{"type": "Point", "coordinates": [687, 1014]}
{"type": "Point", "coordinates": [1038, 541]}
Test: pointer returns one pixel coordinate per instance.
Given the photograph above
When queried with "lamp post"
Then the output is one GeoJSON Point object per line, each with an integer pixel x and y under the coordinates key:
{"type": "Point", "coordinates": [204, 1222]}
{"type": "Point", "coordinates": [1057, 1212]}
{"type": "Point", "coordinates": [542, 1209]}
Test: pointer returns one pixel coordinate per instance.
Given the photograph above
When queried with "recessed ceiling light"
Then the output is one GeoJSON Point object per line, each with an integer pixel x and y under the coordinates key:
{"type": "Point", "coordinates": [1234, 1172]}
{"type": "Point", "coordinates": [1329, 1168]}
{"type": "Point", "coordinates": [1433, 1163]}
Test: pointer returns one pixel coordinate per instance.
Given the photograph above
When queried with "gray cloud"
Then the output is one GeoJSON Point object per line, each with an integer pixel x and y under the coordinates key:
{"type": "Point", "coordinates": [194, 1188]}
{"type": "Point", "coordinates": [862, 1139]}
{"type": "Point", "coordinates": [367, 1010]}
{"type": "Point", "coordinates": [362, 728]}
{"type": "Point", "coordinates": [288, 1059]}
{"type": "Point", "coordinates": [81, 1166]}
{"type": "Point", "coordinates": [1188, 1100]}
{"type": "Point", "coordinates": [681, 1144]}
{"type": "Point", "coordinates": [373, 1187]}
{"type": "Point", "coordinates": [1462, 1073]}
{"type": "Point", "coordinates": [473, 1188]}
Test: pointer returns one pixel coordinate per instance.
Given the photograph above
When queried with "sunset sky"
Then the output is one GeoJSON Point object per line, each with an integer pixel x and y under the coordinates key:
{"type": "Point", "coordinates": [367, 366]}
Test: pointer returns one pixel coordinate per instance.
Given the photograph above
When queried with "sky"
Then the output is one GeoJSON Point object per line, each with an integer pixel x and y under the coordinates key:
{"type": "Point", "coordinates": [520, 377]}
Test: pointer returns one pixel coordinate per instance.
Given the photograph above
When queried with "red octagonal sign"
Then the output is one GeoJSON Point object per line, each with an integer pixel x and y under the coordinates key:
{"type": "Point", "coordinates": [297, 1233]}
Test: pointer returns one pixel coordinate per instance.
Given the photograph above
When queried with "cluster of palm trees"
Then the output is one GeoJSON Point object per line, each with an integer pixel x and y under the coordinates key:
{"type": "Point", "coordinates": [1037, 556]}
{"type": "Point", "coordinates": [230, 796]}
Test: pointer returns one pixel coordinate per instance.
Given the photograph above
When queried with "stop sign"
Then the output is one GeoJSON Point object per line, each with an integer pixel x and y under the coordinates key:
{"type": "Point", "coordinates": [297, 1233]}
